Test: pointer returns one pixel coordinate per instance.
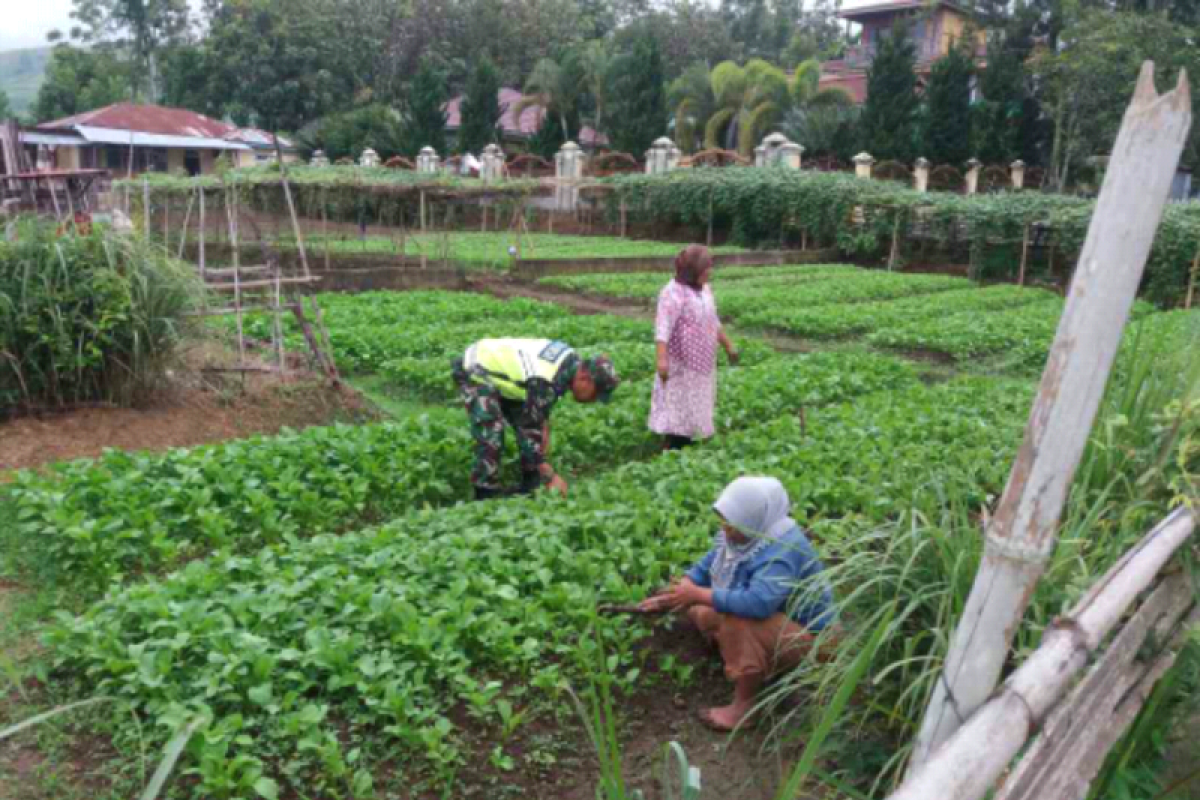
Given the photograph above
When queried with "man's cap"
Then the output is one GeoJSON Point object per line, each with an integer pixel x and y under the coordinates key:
{"type": "Point", "coordinates": [604, 374]}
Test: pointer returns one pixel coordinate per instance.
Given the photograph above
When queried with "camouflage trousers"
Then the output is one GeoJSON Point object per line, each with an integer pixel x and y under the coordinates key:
{"type": "Point", "coordinates": [487, 413]}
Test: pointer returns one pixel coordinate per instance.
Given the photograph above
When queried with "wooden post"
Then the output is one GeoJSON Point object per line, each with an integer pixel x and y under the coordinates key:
{"type": "Point", "coordinates": [287, 194]}
{"type": "Point", "coordinates": [145, 208]}
{"type": "Point", "coordinates": [968, 765]}
{"type": "Point", "coordinates": [203, 230]}
{"type": "Point", "coordinates": [1023, 532]}
{"type": "Point", "coordinates": [1024, 256]}
{"type": "Point", "coordinates": [187, 219]}
{"type": "Point", "coordinates": [709, 239]}
{"type": "Point", "coordinates": [54, 197]}
{"type": "Point", "coordinates": [423, 228]}
{"type": "Point", "coordinates": [167, 222]}
{"type": "Point", "coordinates": [623, 221]}
{"type": "Point", "coordinates": [231, 216]}
{"type": "Point", "coordinates": [1192, 275]}
{"type": "Point", "coordinates": [895, 243]}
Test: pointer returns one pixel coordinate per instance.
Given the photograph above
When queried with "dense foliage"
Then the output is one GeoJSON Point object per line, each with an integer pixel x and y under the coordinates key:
{"type": "Point", "coordinates": [947, 120]}
{"type": "Point", "coordinates": [761, 206]}
{"type": "Point", "coordinates": [889, 119]}
{"type": "Point", "coordinates": [480, 109]}
{"type": "Point", "coordinates": [86, 316]}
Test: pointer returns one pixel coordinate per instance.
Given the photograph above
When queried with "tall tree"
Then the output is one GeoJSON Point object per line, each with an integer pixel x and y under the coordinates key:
{"type": "Point", "coordinates": [142, 28]}
{"type": "Point", "coordinates": [947, 138]}
{"type": "Point", "coordinates": [748, 100]}
{"type": "Point", "coordinates": [692, 103]}
{"type": "Point", "coordinates": [639, 108]}
{"type": "Point", "coordinates": [6, 111]}
{"type": "Point", "coordinates": [556, 87]}
{"type": "Point", "coordinates": [271, 63]}
{"type": "Point", "coordinates": [481, 111]}
{"type": "Point", "coordinates": [888, 122]}
{"type": "Point", "coordinates": [78, 80]}
{"type": "Point", "coordinates": [348, 134]}
{"type": "Point", "coordinates": [425, 113]}
{"type": "Point", "coordinates": [1097, 62]}
{"type": "Point", "coordinates": [997, 119]}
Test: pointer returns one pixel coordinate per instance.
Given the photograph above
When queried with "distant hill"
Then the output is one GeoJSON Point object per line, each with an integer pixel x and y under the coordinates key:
{"type": "Point", "coordinates": [21, 74]}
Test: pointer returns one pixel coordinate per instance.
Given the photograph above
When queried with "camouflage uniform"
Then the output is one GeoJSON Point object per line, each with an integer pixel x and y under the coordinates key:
{"type": "Point", "coordinates": [488, 411]}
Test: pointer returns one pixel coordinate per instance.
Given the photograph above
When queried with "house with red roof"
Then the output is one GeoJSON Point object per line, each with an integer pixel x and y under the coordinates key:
{"type": "Point", "coordinates": [934, 26]}
{"type": "Point", "coordinates": [130, 138]}
{"type": "Point", "coordinates": [518, 132]}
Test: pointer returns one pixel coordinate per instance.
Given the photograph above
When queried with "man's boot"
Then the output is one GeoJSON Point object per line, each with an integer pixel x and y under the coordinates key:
{"type": "Point", "coordinates": [530, 481]}
{"type": "Point", "coordinates": [484, 493]}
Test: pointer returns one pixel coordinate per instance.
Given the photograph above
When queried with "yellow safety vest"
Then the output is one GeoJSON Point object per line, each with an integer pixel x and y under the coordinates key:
{"type": "Point", "coordinates": [508, 364]}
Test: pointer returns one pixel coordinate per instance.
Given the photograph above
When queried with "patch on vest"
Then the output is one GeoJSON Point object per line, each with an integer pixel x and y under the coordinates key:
{"type": "Point", "coordinates": [553, 351]}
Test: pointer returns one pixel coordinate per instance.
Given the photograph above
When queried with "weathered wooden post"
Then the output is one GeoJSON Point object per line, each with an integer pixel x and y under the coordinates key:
{"type": "Point", "coordinates": [1023, 532]}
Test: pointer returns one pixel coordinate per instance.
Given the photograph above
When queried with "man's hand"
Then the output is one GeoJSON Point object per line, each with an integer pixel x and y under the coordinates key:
{"type": "Point", "coordinates": [733, 355]}
{"type": "Point", "coordinates": [664, 372]}
{"type": "Point", "coordinates": [557, 484]}
{"type": "Point", "coordinates": [679, 595]}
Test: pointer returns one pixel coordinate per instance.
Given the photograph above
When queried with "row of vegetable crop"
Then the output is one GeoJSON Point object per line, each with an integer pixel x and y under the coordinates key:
{"type": "Point", "coordinates": [861, 217]}
{"type": "Point", "coordinates": [92, 523]}
{"type": "Point", "coordinates": [308, 648]}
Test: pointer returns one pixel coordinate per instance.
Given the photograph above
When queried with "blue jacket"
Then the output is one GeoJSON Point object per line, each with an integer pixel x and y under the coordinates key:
{"type": "Point", "coordinates": [765, 584]}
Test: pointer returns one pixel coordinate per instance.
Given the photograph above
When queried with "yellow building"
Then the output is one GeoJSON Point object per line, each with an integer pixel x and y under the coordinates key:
{"type": "Point", "coordinates": [127, 138]}
{"type": "Point", "coordinates": [934, 26]}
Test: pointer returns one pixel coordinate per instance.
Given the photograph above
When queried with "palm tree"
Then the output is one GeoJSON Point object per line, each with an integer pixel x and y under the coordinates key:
{"type": "Point", "coordinates": [553, 87]}
{"type": "Point", "coordinates": [691, 96]}
{"type": "Point", "coordinates": [596, 62]}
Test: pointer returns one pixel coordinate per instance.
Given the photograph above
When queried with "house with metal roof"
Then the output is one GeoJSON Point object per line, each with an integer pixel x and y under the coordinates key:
{"type": "Point", "coordinates": [129, 138]}
{"type": "Point", "coordinates": [933, 26]}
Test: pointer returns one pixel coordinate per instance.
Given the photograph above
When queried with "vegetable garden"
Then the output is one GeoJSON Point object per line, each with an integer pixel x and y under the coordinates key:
{"type": "Point", "coordinates": [328, 618]}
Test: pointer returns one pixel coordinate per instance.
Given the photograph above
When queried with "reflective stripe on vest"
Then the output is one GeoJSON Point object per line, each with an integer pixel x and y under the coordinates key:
{"type": "Point", "coordinates": [508, 364]}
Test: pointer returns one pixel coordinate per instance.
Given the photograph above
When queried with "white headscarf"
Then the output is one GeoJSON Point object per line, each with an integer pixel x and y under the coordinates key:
{"type": "Point", "coordinates": [758, 507]}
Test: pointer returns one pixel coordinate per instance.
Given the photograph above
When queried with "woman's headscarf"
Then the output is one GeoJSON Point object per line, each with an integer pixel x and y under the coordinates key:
{"type": "Point", "coordinates": [758, 507]}
{"type": "Point", "coordinates": [691, 263]}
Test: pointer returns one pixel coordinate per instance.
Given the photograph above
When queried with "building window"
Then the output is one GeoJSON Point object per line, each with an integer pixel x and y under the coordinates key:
{"type": "Point", "coordinates": [87, 158]}
{"type": "Point", "coordinates": [191, 162]}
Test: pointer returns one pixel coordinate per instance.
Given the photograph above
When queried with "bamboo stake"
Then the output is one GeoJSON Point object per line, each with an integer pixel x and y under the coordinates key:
{"type": "Point", "coordinates": [624, 226]}
{"type": "Point", "coordinates": [145, 207]}
{"type": "Point", "coordinates": [423, 228]}
{"type": "Point", "coordinates": [709, 240]}
{"type": "Point", "coordinates": [287, 193]}
{"type": "Point", "coordinates": [237, 281]}
{"type": "Point", "coordinates": [1195, 271]}
{"type": "Point", "coordinates": [203, 229]}
{"type": "Point", "coordinates": [895, 243]}
{"type": "Point", "coordinates": [167, 223]}
{"type": "Point", "coordinates": [1024, 256]}
{"type": "Point", "coordinates": [187, 219]}
{"type": "Point", "coordinates": [54, 197]}
{"type": "Point", "coordinates": [1023, 533]}
{"type": "Point", "coordinates": [968, 765]}
{"type": "Point", "coordinates": [278, 332]}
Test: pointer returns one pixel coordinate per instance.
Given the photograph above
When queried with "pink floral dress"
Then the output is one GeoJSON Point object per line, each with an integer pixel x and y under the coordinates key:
{"type": "Point", "coordinates": [687, 321]}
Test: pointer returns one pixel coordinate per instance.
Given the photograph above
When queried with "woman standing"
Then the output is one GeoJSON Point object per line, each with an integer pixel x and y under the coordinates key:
{"type": "Point", "coordinates": [687, 332]}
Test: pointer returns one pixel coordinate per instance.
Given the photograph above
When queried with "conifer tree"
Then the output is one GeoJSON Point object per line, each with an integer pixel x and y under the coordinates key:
{"type": "Point", "coordinates": [888, 125]}
{"type": "Point", "coordinates": [638, 108]}
{"type": "Point", "coordinates": [425, 120]}
{"type": "Point", "coordinates": [481, 111]}
{"type": "Point", "coordinates": [947, 137]}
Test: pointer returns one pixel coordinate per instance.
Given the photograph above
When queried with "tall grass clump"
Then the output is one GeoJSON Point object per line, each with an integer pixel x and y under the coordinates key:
{"type": "Point", "coordinates": [86, 316]}
{"type": "Point", "coordinates": [901, 587]}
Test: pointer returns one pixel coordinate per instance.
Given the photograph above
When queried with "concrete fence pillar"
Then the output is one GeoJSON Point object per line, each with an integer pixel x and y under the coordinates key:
{"type": "Point", "coordinates": [569, 164]}
{"type": "Point", "coordinates": [319, 159]}
{"type": "Point", "coordinates": [973, 168]}
{"type": "Point", "coordinates": [369, 158]}
{"type": "Point", "coordinates": [1017, 170]}
{"type": "Point", "coordinates": [862, 165]}
{"type": "Point", "coordinates": [428, 161]}
{"type": "Point", "coordinates": [493, 164]}
{"type": "Point", "coordinates": [921, 175]}
{"type": "Point", "coordinates": [777, 150]}
{"type": "Point", "coordinates": [663, 156]}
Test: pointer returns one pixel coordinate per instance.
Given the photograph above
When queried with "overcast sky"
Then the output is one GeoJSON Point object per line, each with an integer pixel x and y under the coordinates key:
{"type": "Point", "coordinates": [25, 23]}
